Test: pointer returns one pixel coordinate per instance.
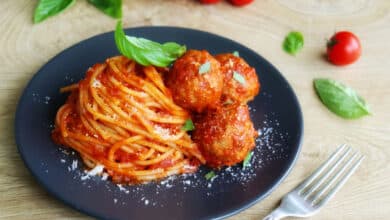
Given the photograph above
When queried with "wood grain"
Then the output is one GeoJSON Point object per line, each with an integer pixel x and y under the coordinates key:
{"type": "Point", "coordinates": [261, 26]}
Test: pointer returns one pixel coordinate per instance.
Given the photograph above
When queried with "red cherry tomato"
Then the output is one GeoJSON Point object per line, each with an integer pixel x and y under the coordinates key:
{"type": "Point", "coordinates": [343, 48]}
{"type": "Point", "coordinates": [209, 1]}
{"type": "Point", "coordinates": [240, 2]}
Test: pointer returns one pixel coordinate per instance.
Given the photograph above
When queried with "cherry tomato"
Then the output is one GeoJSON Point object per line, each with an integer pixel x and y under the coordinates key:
{"type": "Point", "coordinates": [343, 48]}
{"type": "Point", "coordinates": [209, 1]}
{"type": "Point", "coordinates": [240, 2]}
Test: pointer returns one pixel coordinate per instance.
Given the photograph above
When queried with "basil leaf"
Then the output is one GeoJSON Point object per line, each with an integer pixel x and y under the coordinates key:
{"type": "Point", "coordinates": [239, 78]}
{"type": "Point", "coordinates": [204, 68]}
{"type": "Point", "coordinates": [112, 8]}
{"type": "Point", "coordinates": [188, 125]}
{"type": "Point", "coordinates": [210, 175]}
{"type": "Point", "coordinates": [174, 49]}
{"type": "Point", "coordinates": [340, 99]}
{"type": "Point", "coordinates": [236, 53]}
{"type": "Point", "coordinates": [293, 42]}
{"type": "Point", "coordinates": [147, 52]}
{"type": "Point", "coordinates": [48, 8]}
{"type": "Point", "coordinates": [247, 160]}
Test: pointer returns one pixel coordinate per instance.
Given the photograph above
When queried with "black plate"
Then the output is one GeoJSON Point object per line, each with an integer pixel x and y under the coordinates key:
{"type": "Point", "coordinates": [275, 111]}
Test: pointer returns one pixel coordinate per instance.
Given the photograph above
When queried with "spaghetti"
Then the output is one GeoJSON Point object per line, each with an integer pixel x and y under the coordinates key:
{"type": "Point", "coordinates": [122, 116]}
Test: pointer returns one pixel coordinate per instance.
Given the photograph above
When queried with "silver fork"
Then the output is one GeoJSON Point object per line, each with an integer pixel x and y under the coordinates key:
{"type": "Point", "coordinates": [314, 192]}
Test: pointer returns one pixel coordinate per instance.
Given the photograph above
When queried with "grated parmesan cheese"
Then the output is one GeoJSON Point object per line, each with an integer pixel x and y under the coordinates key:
{"type": "Point", "coordinates": [104, 176]}
{"type": "Point", "coordinates": [98, 169]}
{"type": "Point", "coordinates": [74, 164]}
{"type": "Point", "coordinates": [96, 84]}
{"type": "Point", "coordinates": [121, 188]}
{"type": "Point", "coordinates": [163, 132]}
{"type": "Point", "coordinates": [231, 64]}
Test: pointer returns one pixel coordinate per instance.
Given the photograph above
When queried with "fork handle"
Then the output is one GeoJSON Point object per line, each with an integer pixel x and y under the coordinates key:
{"type": "Point", "coordinates": [276, 214]}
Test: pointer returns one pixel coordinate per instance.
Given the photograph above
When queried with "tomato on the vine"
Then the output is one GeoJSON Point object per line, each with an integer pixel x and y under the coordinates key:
{"type": "Point", "coordinates": [240, 2]}
{"type": "Point", "coordinates": [343, 48]}
{"type": "Point", "coordinates": [209, 1]}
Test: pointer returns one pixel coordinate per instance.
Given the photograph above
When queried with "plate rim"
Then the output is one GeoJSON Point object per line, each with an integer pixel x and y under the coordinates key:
{"type": "Point", "coordinates": [221, 215]}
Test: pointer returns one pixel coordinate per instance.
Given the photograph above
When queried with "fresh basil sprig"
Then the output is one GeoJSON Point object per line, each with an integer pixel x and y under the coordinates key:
{"type": "Point", "coordinates": [48, 8]}
{"type": "Point", "coordinates": [340, 99]}
{"type": "Point", "coordinates": [293, 42]}
{"type": "Point", "coordinates": [112, 8]}
{"type": "Point", "coordinates": [147, 52]}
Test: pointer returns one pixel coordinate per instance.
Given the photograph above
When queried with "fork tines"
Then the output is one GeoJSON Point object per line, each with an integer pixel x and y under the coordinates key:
{"type": "Point", "coordinates": [330, 177]}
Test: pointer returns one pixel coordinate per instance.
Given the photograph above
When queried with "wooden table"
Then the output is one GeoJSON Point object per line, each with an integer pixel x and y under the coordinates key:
{"type": "Point", "coordinates": [261, 26]}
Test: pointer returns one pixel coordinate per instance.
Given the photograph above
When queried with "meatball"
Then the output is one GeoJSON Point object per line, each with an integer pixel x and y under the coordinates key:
{"type": "Point", "coordinates": [195, 81]}
{"type": "Point", "coordinates": [240, 80]}
{"type": "Point", "coordinates": [225, 135]}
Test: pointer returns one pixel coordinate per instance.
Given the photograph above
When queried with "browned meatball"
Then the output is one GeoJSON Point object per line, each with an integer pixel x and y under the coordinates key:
{"type": "Point", "coordinates": [225, 135]}
{"type": "Point", "coordinates": [240, 80]}
{"type": "Point", "coordinates": [196, 81]}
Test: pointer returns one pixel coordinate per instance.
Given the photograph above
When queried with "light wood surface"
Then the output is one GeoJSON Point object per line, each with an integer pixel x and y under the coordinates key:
{"type": "Point", "coordinates": [261, 26]}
